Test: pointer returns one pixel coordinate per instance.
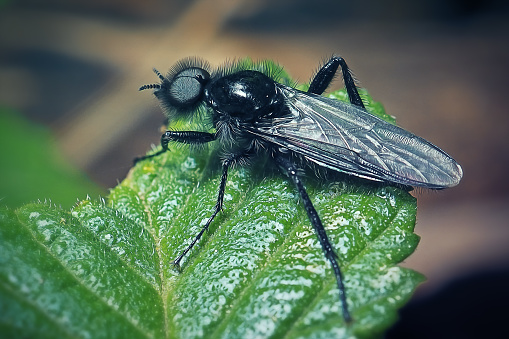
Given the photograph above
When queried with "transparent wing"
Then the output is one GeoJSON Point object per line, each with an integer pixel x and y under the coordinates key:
{"type": "Point", "coordinates": [345, 138]}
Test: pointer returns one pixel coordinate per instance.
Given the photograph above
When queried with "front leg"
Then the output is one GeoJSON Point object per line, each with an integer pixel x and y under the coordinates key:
{"type": "Point", "coordinates": [324, 77]}
{"type": "Point", "coordinates": [184, 137]}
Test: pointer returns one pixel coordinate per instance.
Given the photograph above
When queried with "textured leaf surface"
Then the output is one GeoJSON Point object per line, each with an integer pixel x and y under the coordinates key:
{"type": "Point", "coordinates": [104, 269]}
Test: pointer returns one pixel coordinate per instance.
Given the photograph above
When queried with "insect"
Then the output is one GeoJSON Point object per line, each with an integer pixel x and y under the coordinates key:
{"type": "Point", "coordinates": [252, 114]}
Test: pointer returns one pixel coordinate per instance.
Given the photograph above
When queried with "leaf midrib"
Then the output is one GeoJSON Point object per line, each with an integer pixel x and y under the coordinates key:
{"type": "Point", "coordinates": [166, 288]}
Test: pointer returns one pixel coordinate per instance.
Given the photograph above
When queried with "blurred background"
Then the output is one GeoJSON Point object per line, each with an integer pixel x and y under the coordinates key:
{"type": "Point", "coordinates": [70, 70]}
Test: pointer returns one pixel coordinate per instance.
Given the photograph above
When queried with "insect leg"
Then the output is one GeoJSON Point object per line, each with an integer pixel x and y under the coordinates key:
{"type": "Point", "coordinates": [323, 78]}
{"type": "Point", "coordinates": [184, 137]}
{"type": "Point", "coordinates": [313, 216]}
{"type": "Point", "coordinates": [219, 204]}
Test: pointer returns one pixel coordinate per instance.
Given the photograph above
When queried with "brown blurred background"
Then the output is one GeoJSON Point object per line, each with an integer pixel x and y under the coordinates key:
{"type": "Point", "coordinates": [440, 66]}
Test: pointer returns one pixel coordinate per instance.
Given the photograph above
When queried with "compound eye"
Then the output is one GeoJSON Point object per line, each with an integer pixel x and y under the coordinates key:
{"type": "Point", "coordinates": [186, 87]}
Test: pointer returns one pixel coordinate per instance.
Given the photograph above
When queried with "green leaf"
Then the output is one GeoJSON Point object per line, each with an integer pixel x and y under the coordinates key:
{"type": "Point", "coordinates": [33, 169]}
{"type": "Point", "coordinates": [104, 268]}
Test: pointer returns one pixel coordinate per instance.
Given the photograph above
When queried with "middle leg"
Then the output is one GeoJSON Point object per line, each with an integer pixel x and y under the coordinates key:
{"type": "Point", "coordinates": [227, 163]}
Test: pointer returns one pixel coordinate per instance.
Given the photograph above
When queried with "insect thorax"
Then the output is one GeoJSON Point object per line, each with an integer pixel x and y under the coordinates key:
{"type": "Point", "coordinates": [245, 95]}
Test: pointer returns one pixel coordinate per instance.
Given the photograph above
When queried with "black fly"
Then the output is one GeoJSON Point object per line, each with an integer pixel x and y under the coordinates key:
{"type": "Point", "coordinates": [253, 114]}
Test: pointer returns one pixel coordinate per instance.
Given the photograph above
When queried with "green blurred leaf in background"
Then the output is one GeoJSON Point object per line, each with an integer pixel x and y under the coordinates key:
{"type": "Point", "coordinates": [31, 167]}
{"type": "Point", "coordinates": [104, 268]}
